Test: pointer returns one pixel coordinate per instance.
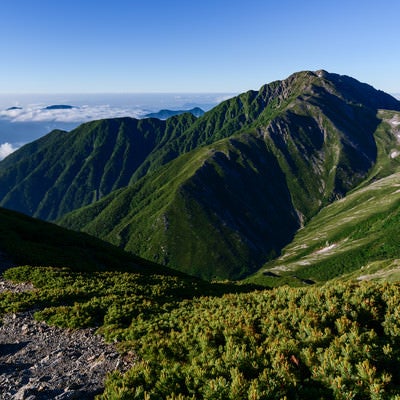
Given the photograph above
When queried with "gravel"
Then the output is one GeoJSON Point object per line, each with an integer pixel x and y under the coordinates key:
{"type": "Point", "coordinates": [38, 361]}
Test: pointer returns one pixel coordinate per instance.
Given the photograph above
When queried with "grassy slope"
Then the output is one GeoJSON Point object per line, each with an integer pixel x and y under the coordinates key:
{"type": "Point", "coordinates": [333, 342]}
{"type": "Point", "coordinates": [25, 240]}
{"type": "Point", "coordinates": [175, 216]}
{"type": "Point", "coordinates": [355, 237]}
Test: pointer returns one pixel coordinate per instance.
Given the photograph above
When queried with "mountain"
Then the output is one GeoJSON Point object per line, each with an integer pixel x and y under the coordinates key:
{"type": "Point", "coordinates": [63, 171]}
{"type": "Point", "coordinates": [59, 107]}
{"type": "Point", "coordinates": [301, 178]}
{"type": "Point", "coordinates": [215, 196]}
{"type": "Point", "coordinates": [241, 180]}
{"type": "Point", "coordinates": [356, 237]}
{"type": "Point", "coordinates": [165, 114]}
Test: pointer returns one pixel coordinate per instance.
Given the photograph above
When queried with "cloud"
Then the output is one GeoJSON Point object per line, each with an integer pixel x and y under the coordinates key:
{"type": "Point", "coordinates": [37, 113]}
{"type": "Point", "coordinates": [86, 110]}
{"type": "Point", "coordinates": [6, 149]}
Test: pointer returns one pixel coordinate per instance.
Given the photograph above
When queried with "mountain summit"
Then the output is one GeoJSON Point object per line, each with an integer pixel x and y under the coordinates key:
{"type": "Point", "coordinates": [216, 196]}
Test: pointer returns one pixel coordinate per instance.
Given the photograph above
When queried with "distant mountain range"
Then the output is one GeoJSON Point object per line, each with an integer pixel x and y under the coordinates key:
{"type": "Point", "coordinates": [13, 108]}
{"type": "Point", "coordinates": [165, 114]}
{"type": "Point", "coordinates": [218, 195]}
{"type": "Point", "coordinates": [59, 107]}
{"type": "Point", "coordinates": [51, 107]}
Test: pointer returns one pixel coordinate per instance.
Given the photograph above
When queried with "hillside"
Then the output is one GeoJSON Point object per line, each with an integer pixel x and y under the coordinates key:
{"type": "Point", "coordinates": [301, 178]}
{"type": "Point", "coordinates": [215, 196]}
{"type": "Point", "coordinates": [183, 338]}
{"type": "Point", "coordinates": [223, 209]}
{"type": "Point", "coordinates": [355, 237]}
{"type": "Point", "coordinates": [66, 170]}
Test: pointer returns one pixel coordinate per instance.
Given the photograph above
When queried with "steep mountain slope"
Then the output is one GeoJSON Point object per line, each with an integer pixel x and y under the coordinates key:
{"type": "Point", "coordinates": [258, 108]}
{"type": "Point", "coordinates": [226, 207]}
{"type": "Point", "coordinates": [357, 236]}
{"type": "Point", "coordinates": [64, 171]}
{"type": "Point", "coordinates": [203, 213]}
{"type": "Point", "coordinates": [354, 237]}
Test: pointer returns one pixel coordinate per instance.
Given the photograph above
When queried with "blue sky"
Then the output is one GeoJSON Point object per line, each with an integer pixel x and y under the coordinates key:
{"type": "Point", "coordinates": [97, 46]}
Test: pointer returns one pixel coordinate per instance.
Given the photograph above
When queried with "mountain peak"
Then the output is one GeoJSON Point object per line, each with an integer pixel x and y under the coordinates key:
{"type": "Point", "coordinates": [321, 73]}
{"type": "Point", "coordinates": [216, 195]}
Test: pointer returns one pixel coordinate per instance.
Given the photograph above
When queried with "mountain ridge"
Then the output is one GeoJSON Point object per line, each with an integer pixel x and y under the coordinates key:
{"type": "Point", "coordinates": [306, 197]}
{"type": "Point", "coordinates": [200, 194]}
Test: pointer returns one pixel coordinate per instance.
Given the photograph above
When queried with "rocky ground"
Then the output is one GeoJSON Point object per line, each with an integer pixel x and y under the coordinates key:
{"type": "Point", "coordinates": [42, 362]}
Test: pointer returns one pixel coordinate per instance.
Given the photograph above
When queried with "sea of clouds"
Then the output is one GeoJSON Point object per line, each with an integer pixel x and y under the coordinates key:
{"type": "Point", "coordinates": [77, 114]}
{"type": "Point", "coordinates": [24, 118]}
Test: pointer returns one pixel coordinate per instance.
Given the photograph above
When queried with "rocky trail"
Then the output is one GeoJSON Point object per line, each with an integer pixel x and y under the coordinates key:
{"type": "Point", "coordinates": [38, 361]}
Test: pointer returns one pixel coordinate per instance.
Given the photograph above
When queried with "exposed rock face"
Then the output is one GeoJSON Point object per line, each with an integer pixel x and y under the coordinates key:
{"type": "Point", "coordinates": [42, 362]}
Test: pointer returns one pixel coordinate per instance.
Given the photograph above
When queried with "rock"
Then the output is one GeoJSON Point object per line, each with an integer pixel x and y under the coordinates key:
{"type": "Point", "coordinates": [25, 393]}
{"type": "Point", "coordinates": [39, 362]}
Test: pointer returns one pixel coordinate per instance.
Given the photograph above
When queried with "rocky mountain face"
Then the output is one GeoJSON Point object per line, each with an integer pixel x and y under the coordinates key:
{"type": "Point", "coordinates": [215, 196]}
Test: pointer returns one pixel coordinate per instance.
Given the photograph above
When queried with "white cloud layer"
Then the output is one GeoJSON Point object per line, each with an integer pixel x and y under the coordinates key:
{"type": "Point", "coordinates": [75, 114]}
{"type": "Point", "coordinates": [6, 149]}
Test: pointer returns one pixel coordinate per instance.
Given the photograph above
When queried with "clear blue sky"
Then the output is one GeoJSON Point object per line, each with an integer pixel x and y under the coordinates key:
{"type": "Point", "coordinates": [87, 46]}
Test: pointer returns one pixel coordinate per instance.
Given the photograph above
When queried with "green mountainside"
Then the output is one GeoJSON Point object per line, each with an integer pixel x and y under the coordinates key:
{"type": "Point", "coordinates": [224, 208]}
{"type": "Point", "coordinates": [64, 171]}
{"type": "Point", "coordinates": [356, 237]}
{"type": "Point", "coordinates": [215, 196]}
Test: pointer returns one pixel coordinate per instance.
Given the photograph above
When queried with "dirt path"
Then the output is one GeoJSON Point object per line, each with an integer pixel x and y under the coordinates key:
{"type": "Point", "coordinates": [42, 362]}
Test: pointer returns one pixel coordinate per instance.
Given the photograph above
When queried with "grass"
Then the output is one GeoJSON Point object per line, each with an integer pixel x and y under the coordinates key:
{"type": "Point", "coordinates": [196, 340]}
{"type": "Point", "coordinates": [344, 237]}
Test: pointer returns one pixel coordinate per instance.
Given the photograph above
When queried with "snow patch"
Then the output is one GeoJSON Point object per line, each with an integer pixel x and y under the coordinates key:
{"type": "Point", "coordinates": [326, 249]}
{"type": "Point", "coordinates": [394, 154]}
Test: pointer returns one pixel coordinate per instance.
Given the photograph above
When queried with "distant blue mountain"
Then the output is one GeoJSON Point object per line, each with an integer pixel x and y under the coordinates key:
{"type": "Point", "coordinates": [59, 107]}
{"type": "Point", "coordinates": [165, 114]}
{"type": "Point", "coordinates": [13, 108]}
